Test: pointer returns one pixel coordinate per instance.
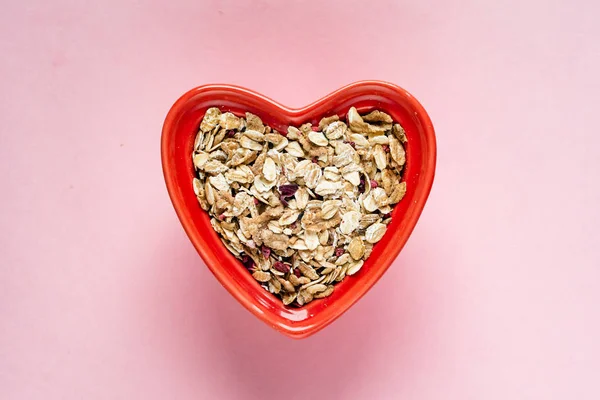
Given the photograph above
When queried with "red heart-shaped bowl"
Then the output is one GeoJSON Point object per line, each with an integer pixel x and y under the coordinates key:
{"type": "Point", "coordinates": [179, 131]}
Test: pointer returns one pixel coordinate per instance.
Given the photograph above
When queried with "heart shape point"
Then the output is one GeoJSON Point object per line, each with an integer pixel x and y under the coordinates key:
{"type": "Point", "coordinates": [177, 140]}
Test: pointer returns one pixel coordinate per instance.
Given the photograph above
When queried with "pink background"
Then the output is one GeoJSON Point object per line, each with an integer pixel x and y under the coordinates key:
{"type": "Point", "coordinates": [496, 295]}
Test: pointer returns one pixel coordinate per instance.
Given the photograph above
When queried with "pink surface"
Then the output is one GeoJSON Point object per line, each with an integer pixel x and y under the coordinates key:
{"type": "Point", "coordinates": [496, 295]}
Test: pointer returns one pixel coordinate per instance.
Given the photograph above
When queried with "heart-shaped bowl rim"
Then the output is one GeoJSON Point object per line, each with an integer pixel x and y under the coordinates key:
{"type": "Point", "coordinates": [178, 134]}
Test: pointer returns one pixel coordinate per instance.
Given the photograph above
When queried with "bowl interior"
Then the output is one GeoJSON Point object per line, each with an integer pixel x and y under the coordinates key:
{"type": "Point", "coordinates": [179, 132]}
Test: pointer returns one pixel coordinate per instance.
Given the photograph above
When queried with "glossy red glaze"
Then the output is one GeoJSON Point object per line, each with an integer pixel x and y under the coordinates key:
{"type": "Point", "coordinates": [178, 135]}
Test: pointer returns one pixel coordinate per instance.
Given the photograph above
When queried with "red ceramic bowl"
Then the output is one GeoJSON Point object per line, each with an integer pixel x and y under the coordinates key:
{"type": "Point", "coordinates": [178, 135]}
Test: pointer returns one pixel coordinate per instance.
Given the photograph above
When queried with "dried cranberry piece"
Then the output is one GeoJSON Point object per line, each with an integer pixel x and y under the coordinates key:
{"type": "Point", "coordinates": [281, 267]}
{"type": "Point", "coordinates": [373, 184]}
{"type": "Point", "coordinates": [339, 251]}
{"type": "Point", "coordinates": [288, 190]}
{"type": "Point", "coordinates": [248, 262]}
{"type": "Point", "coordinates": [266, 252]}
